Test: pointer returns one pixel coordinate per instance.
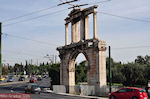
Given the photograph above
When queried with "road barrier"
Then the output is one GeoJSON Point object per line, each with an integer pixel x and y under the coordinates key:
{"type": "Point", "coordinates": [10, 83]}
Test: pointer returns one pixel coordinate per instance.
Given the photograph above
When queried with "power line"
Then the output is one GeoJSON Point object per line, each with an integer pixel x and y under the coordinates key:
{"type": "Point", "coordinates": [28, 39]}
{"type": "Point", "coordinates": [66, 2]}
{"type": "Point", "coordinates": [41, 10]}
{"type": "Point", "coordinates": [100, 2]}
{"type": "Point", "coordinates": [41, 15]}
{"type": "Point", "coordinates": [27, 14]}
{"type": "Point", "coordinates": [35, 17]}
{"type": "Point", "coordinates": [21, 53]}
{"type": "Point", "coordinates": [124, 17]}
{"type": "Point", "coordinates": [133, 47]}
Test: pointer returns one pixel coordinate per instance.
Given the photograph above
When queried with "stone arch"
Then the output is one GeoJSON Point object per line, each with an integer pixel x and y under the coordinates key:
{"type": "Point", "coordinates": [93, 49]}
{"type": "Point", "coordinates": [74, 55]}
{"type": "Point", "coordinates": [71, 65]}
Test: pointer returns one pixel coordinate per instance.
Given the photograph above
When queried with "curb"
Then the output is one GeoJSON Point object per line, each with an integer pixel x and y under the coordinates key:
{"type": "Point", "coordinates": [91, 97]}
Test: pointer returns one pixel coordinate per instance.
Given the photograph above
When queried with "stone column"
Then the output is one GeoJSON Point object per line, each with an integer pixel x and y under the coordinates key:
{"type": "Point", "coordinates": [82, 29]}
{"type": "Point", "coordinates": [66, 34]}
{"type": "Point", "coordinates": [86, 27]}
{"type": "Point", "coordinates": [71, 75]}
{"type": "Point", "coordinates": [77, 32]}
{"type": "Point", "coordinates": [72, 32]}
{"type": "Point", "coordinates": [95, 24]}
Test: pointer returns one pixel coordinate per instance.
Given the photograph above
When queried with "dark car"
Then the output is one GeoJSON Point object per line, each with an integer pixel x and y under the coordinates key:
{"type": "Point", "coordinates": [21, 79]}
{"type": "Point", "coordinates": [33, 80]}
{"type": "Point", "coordinates": [129, 93]}
{"type": "Point", "coordinates": [39, 78]}
{"type": "Point", "coordinates": [32, 88]}
{"type": "Point", "coordinates": [11, 79]}
{"type": "Point", "coordinates": [44, 76]}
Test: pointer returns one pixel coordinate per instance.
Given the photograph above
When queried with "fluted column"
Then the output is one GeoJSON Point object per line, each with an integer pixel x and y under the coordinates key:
{"type": "Point", "coordinates": [66, 34]}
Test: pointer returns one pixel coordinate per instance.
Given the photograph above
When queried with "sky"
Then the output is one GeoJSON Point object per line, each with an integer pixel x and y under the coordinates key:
{"type": "Point", "coordinates": [38, 34]}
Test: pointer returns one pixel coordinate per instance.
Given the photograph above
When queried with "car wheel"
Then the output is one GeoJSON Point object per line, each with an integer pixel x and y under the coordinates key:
{"type": "Point", "coordinates": [112, 97]}
{"type": "Point", "coordinates": [135, 98]}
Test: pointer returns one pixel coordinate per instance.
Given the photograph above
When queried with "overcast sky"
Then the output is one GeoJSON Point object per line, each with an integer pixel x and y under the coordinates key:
{"type": "Point", "coordinates": [38, 34]}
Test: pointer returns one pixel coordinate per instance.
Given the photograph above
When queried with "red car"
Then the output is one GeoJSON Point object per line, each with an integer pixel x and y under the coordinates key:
{"type": "Point", "coordinates": [129, 93]}
{"type": "Point", "coordinates": [33, 80]}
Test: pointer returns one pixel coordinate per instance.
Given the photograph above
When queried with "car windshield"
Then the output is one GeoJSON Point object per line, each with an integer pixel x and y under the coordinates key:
{"type": "Point", "coordinates": [35, 86]}
{"type": "Point", "coordinates": [142, 90]}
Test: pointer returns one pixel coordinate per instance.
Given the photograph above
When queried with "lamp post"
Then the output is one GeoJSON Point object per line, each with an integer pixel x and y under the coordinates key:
{"type": "Point", "coordinates": [0, 48]}
{"type": "Point", "coordinates": [110, 74]}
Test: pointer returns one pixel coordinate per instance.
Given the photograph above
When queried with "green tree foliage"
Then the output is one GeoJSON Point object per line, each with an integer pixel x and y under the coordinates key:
{"type": "Point", "coordinates": [18, 68]}
{"type": "Point", "coordinates": [143, 60]}
{"type": "Point", "coordinates": [81, 72]}
{"type": "Point", "coordinates": [117, 76]}
{"type": "Point", "coordinates": [54, 73]}
{"type": "Point", "coordinates": [4, 70]}
{"type": "Point", "coordinates": [43, 68]}
{"type": "Point", "coordinates": [133, 74]}
{"type": "Point", "coordinates": [10, 69]}
{"type": "Point", "coordinates": [130, 74]}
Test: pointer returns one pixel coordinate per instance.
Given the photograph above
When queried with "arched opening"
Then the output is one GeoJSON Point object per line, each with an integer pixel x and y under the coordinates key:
{"type": "Point", "coordinates": [81, 69]}
{"type": "Point", "coordinates": [78, 68]}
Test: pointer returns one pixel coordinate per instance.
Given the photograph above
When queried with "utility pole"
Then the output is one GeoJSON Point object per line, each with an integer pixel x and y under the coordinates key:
{"type": "Point", "coordinates": [110, 74]}
{"type": "Point", "coordinates": [0, 48]}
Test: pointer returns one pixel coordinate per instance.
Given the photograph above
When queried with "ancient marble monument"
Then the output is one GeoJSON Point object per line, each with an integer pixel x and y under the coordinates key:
{"type": "Point", "coordinates": [93, 49]}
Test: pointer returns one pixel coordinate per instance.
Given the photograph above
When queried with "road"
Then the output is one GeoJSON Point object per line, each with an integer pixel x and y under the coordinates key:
{"type": "Point", "coordinates": [19, 88]}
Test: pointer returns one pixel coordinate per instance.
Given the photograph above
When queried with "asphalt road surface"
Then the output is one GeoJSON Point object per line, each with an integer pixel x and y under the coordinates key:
{"type": "Point", "coordinates": [19, 88]}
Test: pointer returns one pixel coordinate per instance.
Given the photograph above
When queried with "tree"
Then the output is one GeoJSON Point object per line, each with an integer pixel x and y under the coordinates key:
{"type": "Point", "coordinates": [4, 70]}
{"type": "Point", "coordinates": [81, 72]}
{"type": "Point", "coordinates": [117, 76]}
{"type": "Point", "coordinates": [18, 69]}
{"type": "Point", "coordinates": [133, 74]}
{"type": "Point", "coordinates": [10, 69]}
{"type": "Point", "coordinates": [140, 60]}
{"type": "Point", "coordinates": [54, 73]}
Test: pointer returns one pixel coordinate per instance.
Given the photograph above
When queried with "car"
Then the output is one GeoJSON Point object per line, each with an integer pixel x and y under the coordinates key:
{"type": "Point", "coordinates": [129, 93]}
{"type": "Point", "coordinates": [11, 79]}
{"type": "Point", "coordinates": [21, 78]}
{"type": "Point", "coordinates": [32, 88]}
{"type": "Point", "coordinates": [44, 76]}
{"type": "Point", "coordinates": [33, 80]}
{"type": "Point", "coordinates": [2, 79]}
{"type": "Point", "coordinates": [39, 78]}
